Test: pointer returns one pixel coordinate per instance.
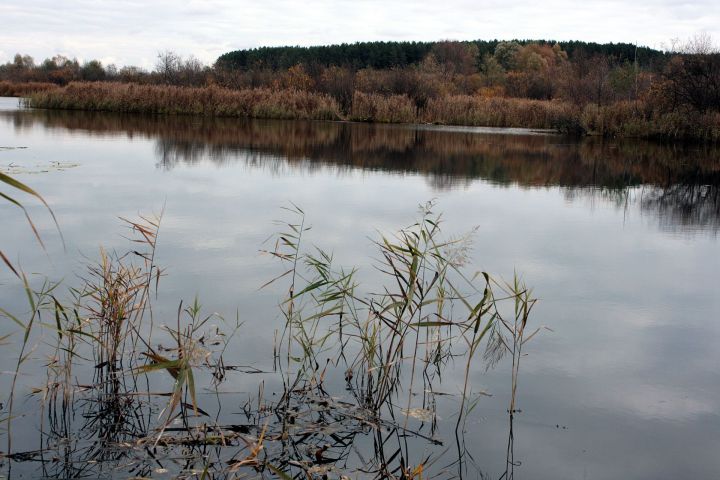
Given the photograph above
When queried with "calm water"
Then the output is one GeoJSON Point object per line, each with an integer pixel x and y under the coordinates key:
{"type": "Point", "coordinates": [618, 239]}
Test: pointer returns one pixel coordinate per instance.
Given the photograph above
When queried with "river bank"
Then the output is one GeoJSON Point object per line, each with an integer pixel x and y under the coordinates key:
{"type": "Point", "coordinates": [631, 119]}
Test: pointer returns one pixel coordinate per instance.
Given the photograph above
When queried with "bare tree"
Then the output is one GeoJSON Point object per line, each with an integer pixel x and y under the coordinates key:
{"type": "Point", "coordinates": [168, 66]}
{"type": "Point", "coordinates": [692, 77]}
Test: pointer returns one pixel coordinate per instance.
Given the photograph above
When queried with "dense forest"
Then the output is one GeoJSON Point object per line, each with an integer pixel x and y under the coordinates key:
{"type": "Point", "coordinates": [607, 89]}
{"type": "Point", "coordinates": [383, 55]}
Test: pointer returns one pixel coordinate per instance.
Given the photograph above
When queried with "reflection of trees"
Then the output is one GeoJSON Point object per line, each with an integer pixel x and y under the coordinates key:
{"type": "Point", "coordinates": [685, 205]}
{"type": "Point", "coordinates": [447, 158]}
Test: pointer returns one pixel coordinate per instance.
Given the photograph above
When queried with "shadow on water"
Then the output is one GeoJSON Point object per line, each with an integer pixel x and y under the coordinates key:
{"type": "Point", "coordinates": [678, 184]}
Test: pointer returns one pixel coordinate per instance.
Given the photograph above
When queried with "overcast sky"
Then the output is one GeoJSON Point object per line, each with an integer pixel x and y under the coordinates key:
{"type": "Point", "coordinates": [132, 32]}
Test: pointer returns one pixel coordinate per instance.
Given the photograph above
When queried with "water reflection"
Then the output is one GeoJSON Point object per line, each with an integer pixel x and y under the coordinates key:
{"type": "Point", "coordinates": [356, 397]}
{"type": "Point", "coordinates": [626, 386]}
{"type": "Point", "coordinates": [680, 183]}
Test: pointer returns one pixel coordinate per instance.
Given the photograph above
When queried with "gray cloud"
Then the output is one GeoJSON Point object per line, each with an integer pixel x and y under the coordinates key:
{"type": "Point", "coordinates": [132, 32]}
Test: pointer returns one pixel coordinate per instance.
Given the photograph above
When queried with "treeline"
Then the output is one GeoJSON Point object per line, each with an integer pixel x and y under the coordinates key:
{"type": "Point", "coordinates": [170, 68]}
{"type": "Point", "coordinates": [325, 67]}
{"type": "Point", "coordinates": [402, 54]}
{"type": "Point", "coordinates": [605, 89]}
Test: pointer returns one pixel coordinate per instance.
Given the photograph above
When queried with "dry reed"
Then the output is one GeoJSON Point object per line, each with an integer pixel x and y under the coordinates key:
{"type": "Point", "coordinates": [23, 89]}
{"type": "Point", "coordinates": [498, 112]}
{"type": "Point", "coordinates": [639, 119]}
{"type": "Point", "coordinates": [620, 119]}
{"type": "Point", "coordinates": [210, 101]}
{"type": "Point", "coordinates": [373, 107]}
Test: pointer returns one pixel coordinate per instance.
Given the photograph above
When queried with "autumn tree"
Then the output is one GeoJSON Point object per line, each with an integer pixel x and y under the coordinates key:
{"type": "Point", "coordinates": [588, 80]}
{"type": "Point", "coordinates": [21, 69]}
{"type": "Point", "coordinates": [493, 72]}
{"type": "Point", "coordinates": [60, 69]}
{"type": "Point", "coordinates": [339, 83]}
{"type": "Point", "coordinates": [693, 80]}
{"type": "Point", "coordinates": [456, 57]}
{"type": "Point", "coordinates": [92, 71]}
{"type": "Point", "coordinates": [532, 69]}
{"type": "Point", "coordinates": [506, 54]}
{"type": "Point", "coordinates": [297, 78]}
{"type": "Point", "coordinates": [130, 74]}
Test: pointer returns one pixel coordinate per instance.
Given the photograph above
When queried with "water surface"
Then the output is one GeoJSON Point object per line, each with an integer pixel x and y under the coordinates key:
{"type": "Point", "coordinates": [619, 241]}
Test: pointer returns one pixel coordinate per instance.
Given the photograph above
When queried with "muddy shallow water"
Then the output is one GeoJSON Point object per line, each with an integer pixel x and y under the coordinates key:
{"type": "Point", "coordinates": [619, 241]}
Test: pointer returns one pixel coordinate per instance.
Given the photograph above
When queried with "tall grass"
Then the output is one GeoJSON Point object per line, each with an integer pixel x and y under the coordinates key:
{"type": "Point", "coordinates": [375, 107]}
{"type": "Point", "coordinates": [392, 345]}
{"type": "Point", "coordinates": [639, 119]}
{"type": "Point", "coordinates": [23, 89]}
{"type": "Point", "coordinates": [37, 299]}
{"type": "Point", "coordinates": [211, 101]}
{"type": "Point", "coordinates": [138, 400]}
{"type": "Point", "coordinates": [620, 119]}
{"type": "Point", "coordinates": [499, 112]}
{"type": "Point", "coordinates": [298, 104]}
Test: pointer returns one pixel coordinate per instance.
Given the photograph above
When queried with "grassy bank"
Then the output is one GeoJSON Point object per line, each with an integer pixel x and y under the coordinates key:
{"type": "Point", "coordinates": [621, 119]}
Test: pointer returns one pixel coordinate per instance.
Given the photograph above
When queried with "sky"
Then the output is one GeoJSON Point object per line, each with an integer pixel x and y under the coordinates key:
{"type": "Point", "coordinates": [132, 32]}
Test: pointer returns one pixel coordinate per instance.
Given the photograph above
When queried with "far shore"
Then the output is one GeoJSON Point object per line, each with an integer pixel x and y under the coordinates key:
{"type": "Point", "coordinates": [633, 119]}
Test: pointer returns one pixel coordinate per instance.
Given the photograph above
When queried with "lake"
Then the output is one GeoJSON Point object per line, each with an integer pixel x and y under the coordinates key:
{"type": "Point", "coordinates": [617, 239]}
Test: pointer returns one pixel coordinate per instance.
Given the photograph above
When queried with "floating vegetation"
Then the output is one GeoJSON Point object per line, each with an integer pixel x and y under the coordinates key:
{"type": "Point", "coordinates": [53, 166]}
{"type": "Point", "coordinates": [356, 374]}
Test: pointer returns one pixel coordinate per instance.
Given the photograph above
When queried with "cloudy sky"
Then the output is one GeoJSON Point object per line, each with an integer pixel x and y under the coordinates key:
{"type": "Point", "coordinates": [133, 31]}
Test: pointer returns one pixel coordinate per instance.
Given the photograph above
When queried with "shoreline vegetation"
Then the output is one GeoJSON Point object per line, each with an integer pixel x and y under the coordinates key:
{"type": "Point", "coordinates": [632, 119]}
{"type": "Point", "coordinates": [610, 90]}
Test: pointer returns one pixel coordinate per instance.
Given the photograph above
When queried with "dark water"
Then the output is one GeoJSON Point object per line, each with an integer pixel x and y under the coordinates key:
{"type": "Point", "coordinates": [619, 241]}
